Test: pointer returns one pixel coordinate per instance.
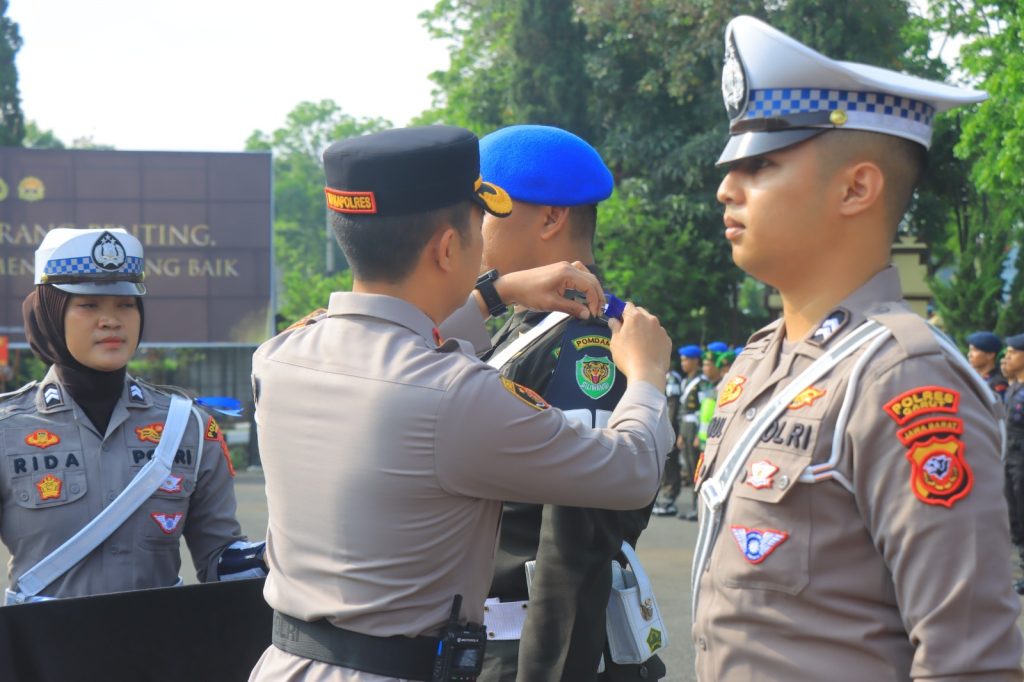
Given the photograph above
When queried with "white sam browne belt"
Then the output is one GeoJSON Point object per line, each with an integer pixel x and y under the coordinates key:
{"type": "Point", "coordinates": [714, 492]}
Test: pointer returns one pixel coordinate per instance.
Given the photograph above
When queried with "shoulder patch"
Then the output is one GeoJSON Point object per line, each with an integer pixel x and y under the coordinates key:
{"type": "Point", "coordinates": [135, 393]}
{"type": "Point", "coordinates": [212, 430]}
{"type": "Point", "coordinates": [528, 396]}
{"type": "Point", "coordinates": [19, 391]}
{"type": "Point", "coordinates": [922, 400]}
{"type": "Point", "coordinates": [939, 472]}
{"type": "Point", "coordinates": [930, 427]}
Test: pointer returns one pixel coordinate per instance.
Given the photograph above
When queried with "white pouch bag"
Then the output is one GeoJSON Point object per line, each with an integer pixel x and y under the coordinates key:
{"type": "Point", "coordinates": [635, 628]}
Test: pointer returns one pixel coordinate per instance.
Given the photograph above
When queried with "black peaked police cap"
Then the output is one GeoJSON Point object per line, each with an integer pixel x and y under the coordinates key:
{"type": "Point", "coordinates": [409, 170]}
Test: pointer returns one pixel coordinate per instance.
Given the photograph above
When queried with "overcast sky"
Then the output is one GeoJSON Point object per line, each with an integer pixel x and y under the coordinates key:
{"type": "Point", "coordinates": [201, 75]}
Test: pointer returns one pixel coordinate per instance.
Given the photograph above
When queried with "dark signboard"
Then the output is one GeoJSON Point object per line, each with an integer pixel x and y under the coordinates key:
{"type": "Point", "coordinates": [203, 218]}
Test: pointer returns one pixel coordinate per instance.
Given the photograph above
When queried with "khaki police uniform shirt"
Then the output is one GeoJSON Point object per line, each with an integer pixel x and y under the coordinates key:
{"type": "Point", "coordinates": [907, 575]}
{"type": "Point", "coordinates": [386, 460]}
{"type": "Point", "coordinates": [58, 473]}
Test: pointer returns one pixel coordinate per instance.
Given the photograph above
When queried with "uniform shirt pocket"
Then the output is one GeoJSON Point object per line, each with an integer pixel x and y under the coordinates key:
{"type": "Point", "coordinates": [49, 488]}
{"type": "Point", "coordinates": [764, 542]}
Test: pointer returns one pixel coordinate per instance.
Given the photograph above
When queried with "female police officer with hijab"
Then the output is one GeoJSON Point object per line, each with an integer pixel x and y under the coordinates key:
{"type": "Point", "coordinates": [101, 474]}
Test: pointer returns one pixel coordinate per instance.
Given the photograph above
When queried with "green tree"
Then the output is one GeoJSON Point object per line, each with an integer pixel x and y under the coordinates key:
{"type": "Point", "coordinates": [301, 239]}
{"type": "Point", "coordinates": [549, 81]}
{"type": "Point", "coordinates": [37, 138]}
{"type": "Point", "coordinates": [976, 194]}
{"type": "Point", "coordinates": [475, 92]}
{"type": "Point", "coordinates": [12, 121]}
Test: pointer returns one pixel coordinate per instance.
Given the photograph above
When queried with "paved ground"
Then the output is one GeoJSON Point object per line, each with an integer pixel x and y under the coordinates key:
{"type": "Point", "coordinates": [666, 550]}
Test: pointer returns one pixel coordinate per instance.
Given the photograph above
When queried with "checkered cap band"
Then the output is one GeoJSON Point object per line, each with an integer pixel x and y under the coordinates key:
{"type": "Point", "coordinates": [84, 265]}
{"type": "Point", "coordinates": [785, 101]}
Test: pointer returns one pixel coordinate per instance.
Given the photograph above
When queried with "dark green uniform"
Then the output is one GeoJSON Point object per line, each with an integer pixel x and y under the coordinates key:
{"type": "Point", "coordinates": [564, 635]}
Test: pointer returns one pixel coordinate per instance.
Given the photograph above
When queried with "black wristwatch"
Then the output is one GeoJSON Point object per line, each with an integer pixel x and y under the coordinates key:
{"type": "Point", "coordinates": [485, 285]}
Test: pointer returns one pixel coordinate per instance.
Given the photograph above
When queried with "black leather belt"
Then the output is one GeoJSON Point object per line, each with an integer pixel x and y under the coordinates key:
{"type": "Point", "coordinates": [411, 658]}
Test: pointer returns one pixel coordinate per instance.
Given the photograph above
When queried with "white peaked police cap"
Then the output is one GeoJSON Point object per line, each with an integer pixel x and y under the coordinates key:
{"type": "Point", "coordinates": [91, 262]}
{"type": "Point", "coordinates": [779, 92]}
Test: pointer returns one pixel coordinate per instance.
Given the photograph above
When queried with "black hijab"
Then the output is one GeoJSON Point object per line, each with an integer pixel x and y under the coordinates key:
{"type": "Point", "coordinates": [95, 392]}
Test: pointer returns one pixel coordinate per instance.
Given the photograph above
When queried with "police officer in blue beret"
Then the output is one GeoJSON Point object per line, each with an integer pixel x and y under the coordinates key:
{"type": "Point", "coordinates": [1013, 366]}
{"type": "Point", "coordinates": [687, 420]}
{"type": "Point", "coordinates": [554, 627]}
{"type": "Point", "coordinates": [983, 353]}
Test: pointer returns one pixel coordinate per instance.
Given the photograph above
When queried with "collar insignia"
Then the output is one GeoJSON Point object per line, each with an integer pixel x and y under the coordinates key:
{"type": "Point", "coordinates": [135, 393]}
{"type": "Point", "coordinates": [52, 395]}
{"type": "Point", "coordinates": [830, 327]}
{"type": "Point", "coordinates": [756, 543]}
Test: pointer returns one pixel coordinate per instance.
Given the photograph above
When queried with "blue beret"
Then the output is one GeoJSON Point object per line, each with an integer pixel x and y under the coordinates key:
{"type": "Point", "coordinates": [689, 351]}
{"type": "Point", "coordinates": [986, 341]}
{"type": "Point", "coordinates": [718, 346]}
{"type": "Point", "coordinates": [1015, 342]}
{"type": "Point", "coordinates": [545, 165]}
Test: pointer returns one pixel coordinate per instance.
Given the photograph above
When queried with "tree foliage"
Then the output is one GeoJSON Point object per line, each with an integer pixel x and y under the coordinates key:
{"type": "Point", "coordinates": [979, 190]}
{"type": "Point", "coordinates": [37, 138]}
{"type": "Point", "coordinates": [12, 121]}
{"type": "Point", "coordinates": [644, 76]}
{"type": "Point", "coordinates": [301, 239]}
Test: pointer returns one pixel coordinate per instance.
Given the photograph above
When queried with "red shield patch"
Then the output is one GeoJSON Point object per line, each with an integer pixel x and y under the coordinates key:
{"type": "Point", "coordinates": [939, 473]}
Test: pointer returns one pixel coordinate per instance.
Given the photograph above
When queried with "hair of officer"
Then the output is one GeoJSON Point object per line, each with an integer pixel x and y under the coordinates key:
{"type": "Point", "coordinates": [583, 222]}
{"type": "Point", "coordinates": [386, 248]}
{"type": "Point", "coordinates": [901, 161]}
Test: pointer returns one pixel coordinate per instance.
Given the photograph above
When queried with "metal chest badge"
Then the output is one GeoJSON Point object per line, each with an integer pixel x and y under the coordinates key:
{"type": "Point", "coordinates": [761, 474]}
{"type": "Point", "coordinates": [49, 487]}
{"type": "Point", "coordinates": [595, 375]}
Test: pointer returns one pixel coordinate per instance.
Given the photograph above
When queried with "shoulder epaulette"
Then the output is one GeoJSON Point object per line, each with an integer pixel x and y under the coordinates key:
{"type": "Point", "coordinates": [8, 406]}
{"type": "Point", "coordinates": [18, 391]}
{"type": "Point", "coordinates": [165, 388]}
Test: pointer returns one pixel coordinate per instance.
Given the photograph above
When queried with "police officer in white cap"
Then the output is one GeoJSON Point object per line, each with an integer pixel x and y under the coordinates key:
{"type": "Point", "coordinates": [852, 526]}
{"type": "Point", "coordinates": [101, 474]}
